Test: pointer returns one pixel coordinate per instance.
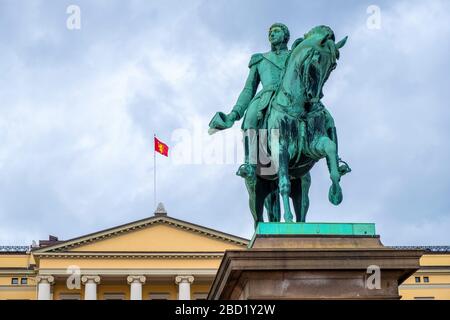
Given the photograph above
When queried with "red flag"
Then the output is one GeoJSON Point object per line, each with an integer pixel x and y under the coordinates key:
{"type": "Point", "coordinates": [161, 147]}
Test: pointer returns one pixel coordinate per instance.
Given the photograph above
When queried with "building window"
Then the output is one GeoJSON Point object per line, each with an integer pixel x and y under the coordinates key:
{"type": "Point", "coordinates": [14, 280]}
{"type": "Point", "coordinates": [69, 296]}
{"type": "Point", "coordinates": [114, 296]}
{"type": "Point", "coordinates": [24, 281]}
{"type": "Point", "coordinates": [200, 295]}
{"type": "Point", "coordinates": [426, 279]}
{"type": "Point", "coordinates": [417, 279]}
{"type": "Point", "coordinates": [159, 296]}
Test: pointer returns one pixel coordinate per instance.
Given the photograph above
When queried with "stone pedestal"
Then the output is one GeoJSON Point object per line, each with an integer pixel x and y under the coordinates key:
{"type": "Point", "coordinates": [340, 264]}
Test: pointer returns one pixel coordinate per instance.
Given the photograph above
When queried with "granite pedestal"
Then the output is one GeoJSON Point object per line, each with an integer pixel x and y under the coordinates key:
{"type": "Point", "coordinates": [314, 261]}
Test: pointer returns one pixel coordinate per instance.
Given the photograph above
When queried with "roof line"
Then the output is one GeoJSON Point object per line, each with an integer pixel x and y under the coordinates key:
{"type": "Point", "coordinates": [433, 249]}
{"type": "Point", "coordinates": [212, 230]}
{"type": "Point", "coordinates": [207, 230]}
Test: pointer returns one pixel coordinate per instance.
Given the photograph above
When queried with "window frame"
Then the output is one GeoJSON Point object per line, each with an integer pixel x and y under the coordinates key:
{"type": "Point", "coordinates": [199, 295]}
{"type": "Point", "coordinates": [69, 296]}
{"type": "Point", "coordinates": [114, 296]}
{"type": "Point", "coordinates": [159, 296]}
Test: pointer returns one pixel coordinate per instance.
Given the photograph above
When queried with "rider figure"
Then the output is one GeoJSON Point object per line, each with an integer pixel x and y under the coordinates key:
{"type": "Point", "coordinates": [267, 69]}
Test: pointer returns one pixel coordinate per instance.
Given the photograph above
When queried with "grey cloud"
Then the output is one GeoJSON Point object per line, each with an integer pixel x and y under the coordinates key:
{"type": "Point", "coordinates": [79, 110]}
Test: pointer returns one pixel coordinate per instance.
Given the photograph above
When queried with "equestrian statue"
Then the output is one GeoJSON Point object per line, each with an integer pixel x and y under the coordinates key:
{"type": "Point", "coordinates": [287, 129]}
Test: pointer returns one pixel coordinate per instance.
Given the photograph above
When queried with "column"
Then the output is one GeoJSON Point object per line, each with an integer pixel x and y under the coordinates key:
{"type": "Point", "coordinates": [136, 283]}
{"type": "Point", "coordinates": [44, 287]}
{"type": "Point", "coordinates": [90, 287]}
{"type": "Point", "coordinates": [184, 287]}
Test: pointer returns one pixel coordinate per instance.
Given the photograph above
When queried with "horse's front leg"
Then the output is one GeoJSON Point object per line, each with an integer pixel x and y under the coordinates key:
{"type": "Point", "coordinates": [284, 183]}
{"type": "Point", "coordinates": [272, 205]}
{"type": "Point", "coordinates": [328, 148]}
{"type": "Point", "coordinates": [280, 162]}
{"type": "Point", "coordinates": [299, 195]}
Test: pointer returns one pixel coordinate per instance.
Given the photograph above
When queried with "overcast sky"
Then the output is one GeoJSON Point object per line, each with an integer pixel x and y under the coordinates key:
{"type": "Point", "coordinates": [79, 109]}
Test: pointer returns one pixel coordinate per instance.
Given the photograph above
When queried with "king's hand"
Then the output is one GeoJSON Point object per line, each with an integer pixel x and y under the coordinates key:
{"type": "Point", "coordinates": [222, 121]}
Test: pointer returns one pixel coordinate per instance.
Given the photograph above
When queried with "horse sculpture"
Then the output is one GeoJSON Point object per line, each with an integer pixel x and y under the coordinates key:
{"type": "Point", "coordinates": [300, 132]}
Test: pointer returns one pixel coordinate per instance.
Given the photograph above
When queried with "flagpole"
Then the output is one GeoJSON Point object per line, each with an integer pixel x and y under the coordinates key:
{"type": "Point", "coordinates": [154, 172]}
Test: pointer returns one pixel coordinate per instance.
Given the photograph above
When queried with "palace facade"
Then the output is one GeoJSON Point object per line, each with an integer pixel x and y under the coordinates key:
{"type": "Point", "coordinates": [159, 257]}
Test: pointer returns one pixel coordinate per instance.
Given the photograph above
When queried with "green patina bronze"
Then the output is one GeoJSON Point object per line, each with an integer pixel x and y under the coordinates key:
{"type": "Point", "coordinates": [324, 229]}
{"type": "Point", "coordinates": [286, 127]}
{"type": "Point", "coordinates": [341, 229]}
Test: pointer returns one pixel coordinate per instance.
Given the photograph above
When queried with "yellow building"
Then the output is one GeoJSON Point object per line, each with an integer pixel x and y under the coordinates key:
{"type": "Point", "coordinates": [432, 280]}
{"type": "Point", "coordinates": [155, 258]}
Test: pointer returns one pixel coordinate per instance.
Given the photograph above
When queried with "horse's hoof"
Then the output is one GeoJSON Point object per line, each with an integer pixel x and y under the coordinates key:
{"type": "Point", "coordinates": [335, 194]}
{"type": "Point", "coordinates": [288, 218]}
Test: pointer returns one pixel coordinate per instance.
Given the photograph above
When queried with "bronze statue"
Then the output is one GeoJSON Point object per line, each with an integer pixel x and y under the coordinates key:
{"type": "Point", "coordinates": [287, 123]}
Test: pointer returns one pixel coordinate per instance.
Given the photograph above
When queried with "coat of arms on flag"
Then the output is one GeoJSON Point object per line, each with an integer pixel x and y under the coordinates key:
{"type": "Point", "coordinates": [161, 147]}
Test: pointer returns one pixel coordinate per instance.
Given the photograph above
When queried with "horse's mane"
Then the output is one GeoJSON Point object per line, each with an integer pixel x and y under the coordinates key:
{"type": "Point", "coordinates": [321, 29]}
{"type": "Point", "coordinates": [296, 43]}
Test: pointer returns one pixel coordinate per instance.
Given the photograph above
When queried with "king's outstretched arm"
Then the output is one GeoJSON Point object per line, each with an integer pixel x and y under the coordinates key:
{"type": "Point", "coordinates": [247, 94]}
{"type": "Point", "coordinates": [221, 120]}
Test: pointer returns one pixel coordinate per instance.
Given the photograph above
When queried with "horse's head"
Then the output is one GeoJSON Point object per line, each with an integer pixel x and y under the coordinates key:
{"type": "Point", "coordinates": [315, 57]}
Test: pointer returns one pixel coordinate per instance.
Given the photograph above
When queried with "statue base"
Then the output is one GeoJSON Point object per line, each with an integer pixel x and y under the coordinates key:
{"type": "Point", "coordinates": [314, 261]}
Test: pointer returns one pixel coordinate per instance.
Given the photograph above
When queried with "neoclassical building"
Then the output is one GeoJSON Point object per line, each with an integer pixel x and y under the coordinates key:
{"type": "Point", "coordinates": [159, 257]}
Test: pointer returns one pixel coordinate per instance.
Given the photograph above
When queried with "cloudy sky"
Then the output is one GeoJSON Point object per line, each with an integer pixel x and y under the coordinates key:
{"type": "Point", "coordinates": [79, 107]}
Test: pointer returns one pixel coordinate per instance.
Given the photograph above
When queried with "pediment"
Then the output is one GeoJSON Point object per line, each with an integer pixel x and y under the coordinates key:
{"type": "Point", "coordinates": [156, 234]}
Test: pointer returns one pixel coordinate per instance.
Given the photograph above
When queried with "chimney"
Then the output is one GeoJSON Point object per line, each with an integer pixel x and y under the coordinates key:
{"type": "Point", "coordinates": [51, 241]}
